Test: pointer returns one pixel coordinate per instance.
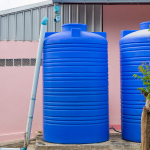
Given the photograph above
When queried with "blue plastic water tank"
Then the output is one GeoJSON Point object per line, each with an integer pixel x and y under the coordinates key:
{"type": "Point", "coordinates": [135, 49]}
{"type": "Point", "coordinates": [75, 87]}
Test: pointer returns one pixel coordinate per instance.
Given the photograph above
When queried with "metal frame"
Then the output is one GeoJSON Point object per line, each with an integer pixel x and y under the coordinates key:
{"type": "Point", "coordinates": [25, 8]}
{"type": "Point", "coordinates": [101, 1]}
{"type": "Point", "coordinates": [19, 29]}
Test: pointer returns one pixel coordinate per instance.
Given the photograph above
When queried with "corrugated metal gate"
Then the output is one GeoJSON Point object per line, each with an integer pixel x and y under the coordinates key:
{"type": "Point", "coordinates": [24, 25]}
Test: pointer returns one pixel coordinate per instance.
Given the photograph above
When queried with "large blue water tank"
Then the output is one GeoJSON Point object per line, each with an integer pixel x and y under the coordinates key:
{"type": "Point", "coordinates": [135, 49]}
{"type": "Point", "coordinates": [75, 87]}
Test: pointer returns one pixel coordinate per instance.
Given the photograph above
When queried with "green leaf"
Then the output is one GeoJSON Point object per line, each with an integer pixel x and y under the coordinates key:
{"type": "Point", "coordinates": [148, 97]}
{"type": "Point", "coordinates": [145, 70]}
{"type": "Point", "coordinates": [135, 75]}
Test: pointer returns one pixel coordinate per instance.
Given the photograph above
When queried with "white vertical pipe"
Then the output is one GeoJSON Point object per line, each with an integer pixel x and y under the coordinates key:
{"type": "Point", "coordinates": [85, 14]}
{"type": "Point", "coordinates": [92, 18]}
{"type": "Point", "coordinates": [35, 80]}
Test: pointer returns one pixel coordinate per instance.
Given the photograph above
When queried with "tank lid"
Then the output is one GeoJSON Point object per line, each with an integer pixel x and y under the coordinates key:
{"type": "Point", "coordinates": [145, 25]}
{"type": "Point", "coordinates": [75, 34]}
{"type": "Point", "coordinates": [140, 36]}
{"type": "Point", "coordinates": [68, 27]}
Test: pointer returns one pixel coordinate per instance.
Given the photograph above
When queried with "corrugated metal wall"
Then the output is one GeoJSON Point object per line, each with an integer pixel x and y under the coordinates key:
{"type": "Point", "coordinates": [25, 25]}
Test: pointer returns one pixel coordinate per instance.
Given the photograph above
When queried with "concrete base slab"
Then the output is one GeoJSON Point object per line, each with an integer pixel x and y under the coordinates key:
{"type": "Point", "coordinates": [115, 143]}
{"type": "Point", "coordinates": [16, 143]}
{"type": "Point", "coordinates": [31, 146]}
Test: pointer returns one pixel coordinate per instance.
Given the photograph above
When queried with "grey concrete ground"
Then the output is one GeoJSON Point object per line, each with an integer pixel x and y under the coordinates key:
{"type": "Point", "coordinates": [31, 146]}
{"type": "Point", "coordinates": [18, 144]}
{"type": "Point", "coordinates": [115, 143]}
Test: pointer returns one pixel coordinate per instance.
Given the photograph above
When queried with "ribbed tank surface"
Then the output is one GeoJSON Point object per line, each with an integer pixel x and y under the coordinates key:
{"type": "Point", "coordinates": [134, 50]}
{"type": "Point", "coordinates": [75, 87]}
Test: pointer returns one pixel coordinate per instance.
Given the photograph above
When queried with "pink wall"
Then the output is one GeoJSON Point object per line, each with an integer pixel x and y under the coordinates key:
{"type": "Point", "coordinates": [15, 91]}
{"type": "Point", "coordinates": [115, 19]}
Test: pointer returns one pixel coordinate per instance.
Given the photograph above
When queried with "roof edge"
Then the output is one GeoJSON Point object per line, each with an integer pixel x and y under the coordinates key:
{"type": "Point", "coordinates": [101, 1]}
{"type": "Point", "coordinates": [26, 7]}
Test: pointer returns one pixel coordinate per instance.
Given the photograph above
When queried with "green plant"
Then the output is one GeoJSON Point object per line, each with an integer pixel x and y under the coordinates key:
{"type": "Point", "coordinates": [145, 70]}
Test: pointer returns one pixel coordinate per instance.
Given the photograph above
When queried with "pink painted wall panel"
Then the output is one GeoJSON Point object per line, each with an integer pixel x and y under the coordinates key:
{"type": "Point", "coordinates": [115, 19]}
{"type": "Point", "coordinates": [15, 91]}
{"type": "Point", "coordinates": [18, 49]}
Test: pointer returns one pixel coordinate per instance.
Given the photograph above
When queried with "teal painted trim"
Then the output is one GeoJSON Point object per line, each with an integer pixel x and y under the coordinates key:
{"type": "Point", "coordinates": [57, 19]}
{"type": "Point", "coordinates": [30, 117]}
{"type": "Point", "coordinates": [44, 21]}
{"type": "Point", "coordinates": [57, 14]}
{"type": "Point", "coordinates": [24, 148]}
{"type": "Point", "coordinates": [56, 9]}
{"type": "Point", "coordinates": [33, 99]}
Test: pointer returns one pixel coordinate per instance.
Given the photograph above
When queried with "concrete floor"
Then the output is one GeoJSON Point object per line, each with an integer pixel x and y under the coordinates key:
{"type": "Point", "coordinates": [31, 146]}
{"type": "Point", "coordinates": [19, 144]}
{"type": "Point", "coordinates": [115, 143]}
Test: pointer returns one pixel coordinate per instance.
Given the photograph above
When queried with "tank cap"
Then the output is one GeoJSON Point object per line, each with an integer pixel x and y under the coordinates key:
{"type": "Point", "coordinates": [70, 26]}
{"type": "Point", "coordinates": [145, 25]}
{"type": "Point", "coordinates": [76, 32]}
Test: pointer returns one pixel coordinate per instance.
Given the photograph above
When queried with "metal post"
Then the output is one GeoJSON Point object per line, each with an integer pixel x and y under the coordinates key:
{"type": "Point", "coordinates": [70, 13]}
{"type": "Point", "coordinates": [39, 19]}
{"type": "Point", "coordinates": [15, 36]}
{"type": "Point", "coordinates": [7, 27]}
{"type": "Point", "coordinates": [47, 16]}
{"type": "Point", "coordinates": [101, 21]}
{"type": "Point", "coordinates": [85, 14]}
{"type": "Point", "coordinates": [31, 25]}
{"type": "Point", "coordinates": [0, 27]}
{"type": "Point", "coordinates": [62, 15]}
{"type": "Point", "coordinates": [77, 13]}
{"type": "Point", "coordinates": [92, 18]}
{"type": "Point", "coordinates": [54, 24]}
{"type": "Point", "coordinates": [23, 30]}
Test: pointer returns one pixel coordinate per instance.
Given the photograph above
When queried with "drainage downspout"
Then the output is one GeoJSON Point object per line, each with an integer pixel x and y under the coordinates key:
{"type": "Point", "coordinates": [35, 82]}
{"type": "Point", "coordinates": [36, 77]}
{"type": "Point", "coordinates": [57, 12]}
{"type": "Point", "coordinates": [36, 73]}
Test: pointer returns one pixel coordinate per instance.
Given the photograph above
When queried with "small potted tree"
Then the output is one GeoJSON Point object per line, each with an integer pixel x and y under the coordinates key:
{"type": "Point", "coordinates": [145, 120]}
